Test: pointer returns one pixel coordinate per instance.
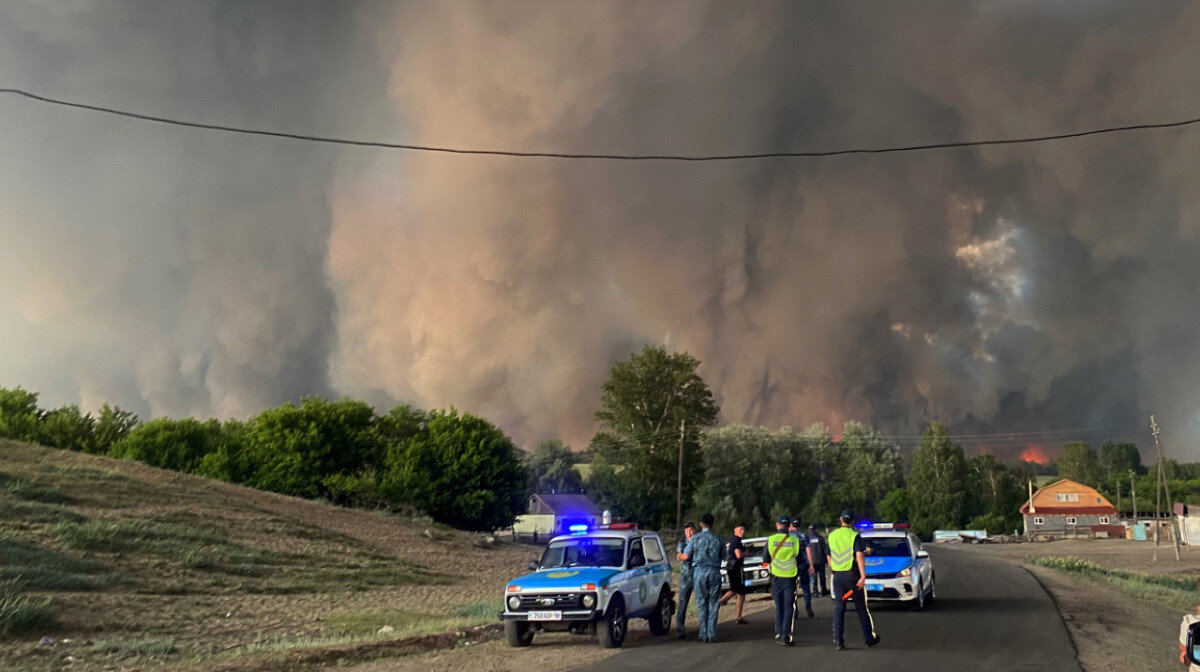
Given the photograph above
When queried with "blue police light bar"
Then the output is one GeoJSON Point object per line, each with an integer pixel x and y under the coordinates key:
{"type": "Point", "coordinates": [864, 525]}
{"type": "Point", "coordinates": [577, 529]}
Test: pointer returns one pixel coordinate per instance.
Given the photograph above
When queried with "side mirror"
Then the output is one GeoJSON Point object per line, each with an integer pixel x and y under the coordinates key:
{"type": "Point", "coordinates": [1192, 649]}
{"type": "Point", "coordinates": [922, 554]}
{"type": "Point", "coordinates": [533, 565]}
{"type": "Point", "coordinates": [637, 561]}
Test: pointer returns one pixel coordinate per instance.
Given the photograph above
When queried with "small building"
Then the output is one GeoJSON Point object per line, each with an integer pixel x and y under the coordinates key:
{"type": "Point", "coordinates": [1068, 509]}
{"type": "Point", "coordinates": [550, 515]}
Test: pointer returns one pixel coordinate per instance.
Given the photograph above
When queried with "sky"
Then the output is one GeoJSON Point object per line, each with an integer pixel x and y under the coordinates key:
{"type": "Point", "coordinates": [1015, 289]}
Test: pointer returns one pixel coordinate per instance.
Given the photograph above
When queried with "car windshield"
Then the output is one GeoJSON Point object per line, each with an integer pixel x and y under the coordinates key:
{"type": "Point", "coordinates": [584, 551]}
{"type": "Point", "coordinates": [888, 547]}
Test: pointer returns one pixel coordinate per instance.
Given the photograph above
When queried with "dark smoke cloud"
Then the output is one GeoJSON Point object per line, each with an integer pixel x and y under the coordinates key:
{"type": "Point", "coordinates": [998, 289]}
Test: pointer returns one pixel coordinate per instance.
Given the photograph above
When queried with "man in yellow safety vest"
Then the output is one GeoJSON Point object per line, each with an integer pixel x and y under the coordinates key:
{"type": "Point", "coordinates": [846, 561]}
{"type": "Point", "coordinates": [782, 551]}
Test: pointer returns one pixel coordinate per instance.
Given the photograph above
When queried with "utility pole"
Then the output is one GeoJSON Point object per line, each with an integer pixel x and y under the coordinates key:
{"type": "Point", "coordinates": [1133, 493]}
{"type": "Point", "coordinates": [1162, 480]}
{"type": "Point", "coordinates": [679, 481]}
{"type": "Point", "coordinates": [1118, 500]}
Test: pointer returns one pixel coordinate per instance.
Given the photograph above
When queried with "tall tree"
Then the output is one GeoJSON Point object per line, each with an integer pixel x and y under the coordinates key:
{"type": "Point", "coordinates": [551, 468]}
{"type": "Point", "coordinates": [69, 428]}
{"type": "Point", "coordinates": [1079, 462]}
{"type": "Point", "coordinates": [995, 493]}
{"type": "Point", "coordinates": [19, 414]}
{"type": "Point", "coordinates": [1118, 459]}
{"type": "Point", "coordinates": [866, 469]}
{"type": "Point", "coordinates": [643, 405]}
{"type": "Point", "coordinates": [937, 484]}
{"type": "Point", "coordinates": [750, 470]}
{"type": "Point", "coordinates": [112, 425]}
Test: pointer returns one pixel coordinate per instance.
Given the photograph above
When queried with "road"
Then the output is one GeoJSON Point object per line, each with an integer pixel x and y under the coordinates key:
{"type": "Point", "coordinates": [989, 615]}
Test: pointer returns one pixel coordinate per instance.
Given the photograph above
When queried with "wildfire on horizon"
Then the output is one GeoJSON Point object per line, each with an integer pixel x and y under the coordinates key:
{"type": "Point", "coordinates": [1035, 454]}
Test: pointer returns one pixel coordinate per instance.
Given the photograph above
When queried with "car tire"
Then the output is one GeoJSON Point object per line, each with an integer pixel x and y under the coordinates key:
{"type": "Point", "coordinates": [932, 590]}
{"type": "Point", "coordinates": [919, 603]}
{"type": "Point", "coordinates": [518, 633]}
{"type": "Point", "coordinates": [660, 620]}
{"type": "Point", "coordinates": [612, 628]}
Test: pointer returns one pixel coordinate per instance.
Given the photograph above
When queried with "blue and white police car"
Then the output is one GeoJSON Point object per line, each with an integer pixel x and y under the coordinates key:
{"type": "Point", "coordinates": [592, 581]}
{"type": "Point", "coordinates": [898, 567]}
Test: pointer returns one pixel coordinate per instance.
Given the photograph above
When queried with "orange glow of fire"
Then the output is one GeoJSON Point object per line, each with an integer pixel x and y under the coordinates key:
{"type": "Point", "coordinates": [1035, 454]}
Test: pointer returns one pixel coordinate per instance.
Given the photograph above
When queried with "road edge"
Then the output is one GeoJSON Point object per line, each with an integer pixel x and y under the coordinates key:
{"type": "Point", "coordinates": [1058, 610]}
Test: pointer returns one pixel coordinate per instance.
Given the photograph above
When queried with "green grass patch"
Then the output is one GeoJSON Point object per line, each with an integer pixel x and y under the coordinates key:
{"type": "Point", "coordinates": [21, 613]}
{"type": "Point", "coordinates": [131, 648]}
{"type": "Point", "coordinates": [484, 611]}
{"type": "Point", "coordinates": [84, 473]}
{"type": "Point", "coordinates": [48, 569]}
{"type": "Point", "coordinates": [1174, 591]}
{"type": "Point", "coordinates": [24, 489]}
{"type": "Point", "coordinates": [16, 513]}
{"type": "Point", "coordinates": [355, 625]}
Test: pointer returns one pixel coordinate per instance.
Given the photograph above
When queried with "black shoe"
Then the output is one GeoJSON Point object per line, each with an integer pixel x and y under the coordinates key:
{"type": "Point", "coordinates": [680, 635]}
{"type": "Point", "coordinates": [873, 642]}
{"type": "Point", "coordinates": [810, 612]}
{"type": "Point", "coordinates": [789, 643]}
{"type": "Point", "coordinates": [840, 647]}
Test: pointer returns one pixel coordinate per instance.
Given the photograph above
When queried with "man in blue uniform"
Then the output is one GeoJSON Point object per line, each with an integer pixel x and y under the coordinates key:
{"type": "Point", "coordinates": [819, 551]}
{"type": "Point", "coordinates": [685, 579]}
{"type": "Point", "coordinates": [847, 560]}
{"type": "Point", "coordinates": [705, 551]}
{"type": "Point", "coordinates": [802, 564]}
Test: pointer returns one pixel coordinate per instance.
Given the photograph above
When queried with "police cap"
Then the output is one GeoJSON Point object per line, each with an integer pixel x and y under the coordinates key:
{"type": "Point", "coordinates": [784, 520]}
{"type": "Point", "coordinates": [847, 515]}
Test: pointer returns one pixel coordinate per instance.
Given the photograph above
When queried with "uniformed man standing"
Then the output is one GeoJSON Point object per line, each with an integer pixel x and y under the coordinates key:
{"type": "Point", "coordinates": [846, 560]}
{"type": "Point", "coordinates": [685, 579]}
{"type": "Point", "coordinates": [705, 551]}
{"type": "Point", "coordinates": [802, 568]}
{"type": "Point", "coordinates": [781, 551]}
{"type": "Point", "coordinates": [819, 552]}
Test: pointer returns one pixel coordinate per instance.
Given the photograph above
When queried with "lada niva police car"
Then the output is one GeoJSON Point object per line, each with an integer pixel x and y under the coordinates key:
{"type": "Point", "coordinates": [898, 568]}
{"type": "Point", "coordinates": [592, 581]}
{"type": "Point", "coordinates": [754, 571]}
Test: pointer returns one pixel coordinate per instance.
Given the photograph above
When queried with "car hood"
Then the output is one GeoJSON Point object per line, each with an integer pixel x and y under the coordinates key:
{"type": "Point", "coordinates": [565, 578]}
{"type": "Point", "coordinates": [887, 565]}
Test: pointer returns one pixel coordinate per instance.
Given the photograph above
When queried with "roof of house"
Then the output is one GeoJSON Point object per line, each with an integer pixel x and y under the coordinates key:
{"type": "Point", "coordinates": [1087, 500]}
{"type": "Point", "coordinates": [567, 505]}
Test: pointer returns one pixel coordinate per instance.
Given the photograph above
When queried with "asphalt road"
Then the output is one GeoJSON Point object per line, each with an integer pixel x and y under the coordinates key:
{"type": "Point", "coordinates": [989, 615]}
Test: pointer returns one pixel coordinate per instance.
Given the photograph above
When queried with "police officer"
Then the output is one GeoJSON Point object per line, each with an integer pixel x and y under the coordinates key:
{"type": "Point", "coordinates": [846, 560]}
{"type": "Point", "coordinates": [705, 550]}
{"type": "Point", "coordinates": [781, 551]}
{"type": "Point", "coordinates": [802, 567]}
{"type": "Point", "coordinates": [817, 551]}
{"type": "Point", "coordinates": [685, 579]}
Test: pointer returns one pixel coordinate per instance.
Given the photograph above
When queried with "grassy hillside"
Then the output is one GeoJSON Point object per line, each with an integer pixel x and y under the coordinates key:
{"type": "Point", "coordinates": [129, 567]}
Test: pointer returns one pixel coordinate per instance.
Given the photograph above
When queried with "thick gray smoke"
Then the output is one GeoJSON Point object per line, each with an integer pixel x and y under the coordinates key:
{"type": "Point", "coordinates": [1004, 289]}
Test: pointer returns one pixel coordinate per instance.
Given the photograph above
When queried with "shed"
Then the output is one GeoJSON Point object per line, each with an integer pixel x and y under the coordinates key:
{"type": "Point", "coordinates": [549, 515]}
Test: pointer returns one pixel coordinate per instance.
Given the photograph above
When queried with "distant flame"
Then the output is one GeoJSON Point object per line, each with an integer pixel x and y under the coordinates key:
{"type": "Point", "coordinates": [1035, 454]}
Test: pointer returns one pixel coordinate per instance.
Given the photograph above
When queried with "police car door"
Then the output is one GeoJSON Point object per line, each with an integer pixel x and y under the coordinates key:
{"type": "Point", "coordinates": [637, 590]}
{"type": "Point", "coordinates": [660, 569]}
{"type": "Point", "coordinates": [922, 568]}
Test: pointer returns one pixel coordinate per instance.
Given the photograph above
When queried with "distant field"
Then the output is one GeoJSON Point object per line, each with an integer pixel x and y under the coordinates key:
{"type": "Point", "coordinates": [129, 567]}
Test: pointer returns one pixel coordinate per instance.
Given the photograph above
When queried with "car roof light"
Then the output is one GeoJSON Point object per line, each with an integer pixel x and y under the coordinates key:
{"type": "Point", "coordinates": [864, 525]}
{"type": "Point", "coordinates": [577, 529]}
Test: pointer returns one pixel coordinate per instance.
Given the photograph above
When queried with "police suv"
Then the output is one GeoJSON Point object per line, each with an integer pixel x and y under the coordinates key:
{"type": "Point", "coordinates": [898, 568]}
{"type": "Point", "coordinates": [592, 581]}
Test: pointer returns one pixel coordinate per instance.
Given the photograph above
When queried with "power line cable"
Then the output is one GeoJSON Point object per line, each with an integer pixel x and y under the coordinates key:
{"type": "Point", "coordinates": [604, 157]}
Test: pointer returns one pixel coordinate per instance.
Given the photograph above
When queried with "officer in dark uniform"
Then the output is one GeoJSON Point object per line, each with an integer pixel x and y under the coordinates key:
{"type": "Point", "coordinates": [804, 584]}
{"type": "Point", "coordinates": [818, 550]}
{"type": "Point", "coordinates": [847, 560]}
{"type": "Point", "coordinates": [685, 580]}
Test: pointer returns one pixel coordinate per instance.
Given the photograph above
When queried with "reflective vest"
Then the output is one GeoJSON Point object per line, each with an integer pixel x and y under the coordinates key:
{"type": "Point", "coordinates": [783, 548]}
{"type": "Point", "coordinates": [841, 549]}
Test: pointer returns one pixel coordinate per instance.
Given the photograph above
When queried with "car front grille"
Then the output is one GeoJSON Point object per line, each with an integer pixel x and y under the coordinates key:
{"type": "Point", "coordinates": [538, 601]}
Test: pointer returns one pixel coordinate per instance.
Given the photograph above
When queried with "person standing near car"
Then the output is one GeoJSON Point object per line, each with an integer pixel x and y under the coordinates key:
{"type": "Point", "coordinates": [804, 586]}
{"type": "Point", "coordinates": [685, 580]}
{"type": "Point", "coordinates": [847, 560]}
{"type": "Point", "coordinates": [817, 551]}
{"type": "Point", "coordinates": [734, 564]}
{"type": "Point", "coordinates": [781, 551]}
{"type": "Point", "coordinates": [705, 551]}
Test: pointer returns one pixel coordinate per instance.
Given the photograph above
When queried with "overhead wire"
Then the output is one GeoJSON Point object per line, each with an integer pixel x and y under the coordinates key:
{"type": "Point", "coordinates": [594, 156]}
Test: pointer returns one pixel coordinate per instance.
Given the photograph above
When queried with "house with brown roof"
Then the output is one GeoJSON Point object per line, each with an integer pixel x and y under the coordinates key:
{"type": "Point", "coordinates": [1069, 509]}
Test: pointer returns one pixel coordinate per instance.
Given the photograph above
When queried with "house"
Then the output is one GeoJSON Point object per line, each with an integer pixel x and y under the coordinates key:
{"type": "Point", "coordinates": [550, 515]}
{"type": "Point", "coordinates": [1069, 509]}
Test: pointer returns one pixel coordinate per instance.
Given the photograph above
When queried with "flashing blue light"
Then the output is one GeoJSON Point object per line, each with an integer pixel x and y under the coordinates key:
{"type": "Point", "coordinates": [577, 529]}
{"type": "Point", "coordinates": [864, 525]}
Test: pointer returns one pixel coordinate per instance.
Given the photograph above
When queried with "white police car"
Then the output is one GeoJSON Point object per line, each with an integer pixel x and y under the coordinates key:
{"type": "Point", "coordinates": [898, 568]}
{"type": "Point", "coordinates": [754, 571]}
{"type": "Point", "coordinates": [592, 581]}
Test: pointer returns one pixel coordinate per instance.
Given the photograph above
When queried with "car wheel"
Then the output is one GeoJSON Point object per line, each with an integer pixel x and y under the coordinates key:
{"type": "Point", "coordinates": [518, 633]}
{"type": "Point", "coordinates": [611, 629]}
{"type": "Point", "coordinates": [919, 603]}
{"type": "Point", "coordinates": [932, 590]}
{"type": "Point", "coordinates": [660, 620]}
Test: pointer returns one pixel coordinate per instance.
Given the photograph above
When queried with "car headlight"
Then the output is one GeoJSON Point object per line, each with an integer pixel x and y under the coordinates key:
{"type": "Point", "coordinates": [762, 573]}
{"type": "Point", "coordinates": [905, 572]}
{"type": "Point", "coordinates": [514, 603]}
{"type": "Point", "coordinates": [588, 601]}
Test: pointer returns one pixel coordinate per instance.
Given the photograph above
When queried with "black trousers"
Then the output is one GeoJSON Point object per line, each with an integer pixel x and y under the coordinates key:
{"type": "Point", "coordinates": [844, 582]}
{"type": "Point", "coordinates": [820, 579]}
{"type": "Point", "coordinates": [783, 591]}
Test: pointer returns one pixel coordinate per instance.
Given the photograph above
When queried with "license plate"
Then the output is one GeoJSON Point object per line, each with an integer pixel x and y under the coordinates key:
{"type": "Point", "coordinates": [545, 615]}
{"type": "Point", "coordinates": [875, 587]}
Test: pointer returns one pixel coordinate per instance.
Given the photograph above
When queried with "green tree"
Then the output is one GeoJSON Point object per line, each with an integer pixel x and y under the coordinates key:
{"type": "Point", "coordinates": [169, 443]}
{"type": "Point", "coordinates": [68, 428]}
{"type": "Point", "coordinates": [551, 468]}
{"type": "Point", "coordinates": [1118, 459]}
{"type": "Point", "coordinates": [294, 450]}
{"type": "Point", "coordinates": [895, 506]}
{"type": "Point", "coordinates": [866, 469]}
{"type": "Point", "coordinates": [1079, 462]}
{"type": "Point", "coordinates": [461, 470]}
{"type": "Point", "coordinates": [821, 508]}
{"type": "Point", "coordinates": [749, 470]}
{"type": "Point", "coordinates": [112, 425]}
{"type": "Point", "coordinates": [19, 414]}
{"type": "Point", "coordinates": [937, 485]}
{"type": "Point", "coordinates": [995, 491]}
{"type": "Point", "coordinates": [644, 404]}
